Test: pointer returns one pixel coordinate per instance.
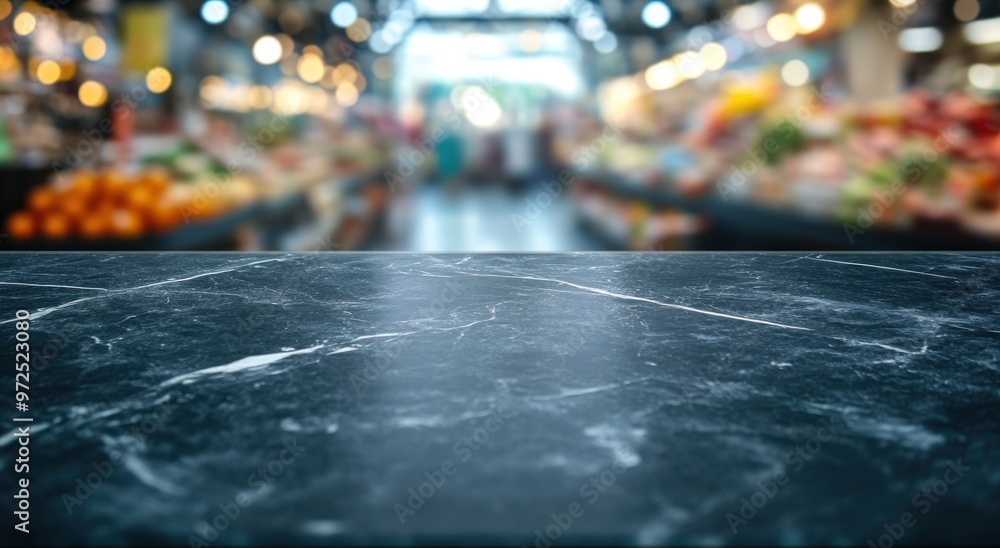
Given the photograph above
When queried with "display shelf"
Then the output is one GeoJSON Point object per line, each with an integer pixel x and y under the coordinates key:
{"type": "Point", "coordinates": [740, 225]}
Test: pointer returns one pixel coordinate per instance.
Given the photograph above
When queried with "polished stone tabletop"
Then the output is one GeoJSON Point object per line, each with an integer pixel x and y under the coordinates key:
{"type": "Point", "coordinates": [218, 399]}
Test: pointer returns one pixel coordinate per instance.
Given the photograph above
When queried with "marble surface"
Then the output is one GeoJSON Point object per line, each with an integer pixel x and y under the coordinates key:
{"type": "Point", "coordinates": [590, 398]}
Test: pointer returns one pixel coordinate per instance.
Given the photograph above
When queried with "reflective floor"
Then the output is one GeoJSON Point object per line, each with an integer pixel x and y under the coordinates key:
{"type": "Point", "coordinates": [484, 218]}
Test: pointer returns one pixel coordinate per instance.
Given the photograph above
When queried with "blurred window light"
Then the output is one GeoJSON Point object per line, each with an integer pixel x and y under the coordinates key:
{"type": "Point", "coordinates": [394, 30]}
{"type": "Point", "coordinates": [344, 14]}
{"type": "Point", "coordinates": [378, 43]}
{"type": "Point", "coordinates": [606, 43]}
{"type": "Point", "coordinates": [967, 10]}
{"type": "Point", "coordinates": [919, 40]}
{"type": "Point", "coordinates": [530, 40]}
{"type": "Point", "coordinates": [547, 8]}
{"type": "Point", "coordinates": [986, 31]}
{"type": "Point", "coordinates": [454, 8]}
{"type": "Point", "coordinates": [750, 16]}
{"type": "Point", "coordinates": [656, 14]}
{"type": "Point", "coordinates": [810, 17]}
{"type": "Point", "coordinates": [479, 108]}
{"type": "Point", "coordinates": [984, 77]}
{"type": "Point", "coordinates": [485, 45]}
{"type": "Point", "coordinates": [795, 73]}
{"type": "Point", "coordinates": [591, 28]}
{"type": "Point", "coordinates": [267, 50]}
{"type": "Point", "coordinates": [214, 12]}
{"type": "Point", "coordinates": [901, 3]}
{"type": "Point", "coordinates": [782, 27]}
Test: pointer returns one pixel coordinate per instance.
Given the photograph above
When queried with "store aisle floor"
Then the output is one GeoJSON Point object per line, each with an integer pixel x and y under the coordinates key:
{"type": "Point", "coordinates": [481, 218]}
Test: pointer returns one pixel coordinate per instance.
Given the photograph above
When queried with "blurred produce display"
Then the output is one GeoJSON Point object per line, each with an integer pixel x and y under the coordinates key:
{"type": "Point", "coordinates": [347, 124]}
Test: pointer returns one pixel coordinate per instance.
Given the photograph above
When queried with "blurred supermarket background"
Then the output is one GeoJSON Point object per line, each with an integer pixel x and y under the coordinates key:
{"type": "Point", "coordinates": [500, 125]}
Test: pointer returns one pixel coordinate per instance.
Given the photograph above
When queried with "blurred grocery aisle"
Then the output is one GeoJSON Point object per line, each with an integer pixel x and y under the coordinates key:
{"type": "Point", "coordinates": [500, 125]}
{"type": "Point", "coordinates": [479, 219]}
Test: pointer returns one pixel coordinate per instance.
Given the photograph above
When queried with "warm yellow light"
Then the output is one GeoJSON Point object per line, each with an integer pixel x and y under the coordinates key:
{"type": "Point", "coordinates": [94, 48]}
{"type": "Point", "coordinates": [782, 27]}
{"type": "Point", "coordinates": [795, 73]}
{"type": "Point", "coordinates": [8, 60]}
{"type": "Point", "coordinates": [158, 80]}
{"type": "Point", "coordinates": [211, 87]}
{"type": "Point", "coordinates": [810, 17]}
{"type": "Point", "coordinates": [360, 30]}
{"type": "Point", "coordinates": [24, 23]}
{"type": "Point", "coordinates": [289, 98]}
{"type": "Point", "coordinates": [93, 94]}
{"type": "Point", "coordinates": [312, 49]}
{"type": "Point", "coordinates": [311, 68]}
{"type": "Point", "coordinates": [663, 75]}
{"type": "Point", "coordinates": [714, 55]}
{"type": "Point", "coordinates": [267, 50]}
{"type": "Point", "coordinates": [48, 72]}
{"type": "Point", "coordinates": [346, 95]}
{"type": "Point", "coordinates": [5, 9]}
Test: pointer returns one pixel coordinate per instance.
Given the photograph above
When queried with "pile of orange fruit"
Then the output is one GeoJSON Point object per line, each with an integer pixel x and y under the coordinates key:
{"type": "Point", "coordinates": [98, 205]}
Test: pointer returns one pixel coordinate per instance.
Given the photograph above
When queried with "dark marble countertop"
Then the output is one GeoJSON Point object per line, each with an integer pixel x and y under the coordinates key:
{"type": "Point", "coordinates": [586, 398]}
